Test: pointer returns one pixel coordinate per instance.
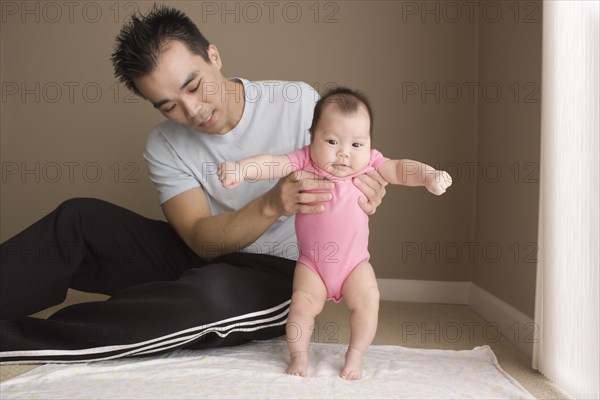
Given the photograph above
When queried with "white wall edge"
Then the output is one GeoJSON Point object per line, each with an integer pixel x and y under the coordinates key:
{"type": "Point", "coordinates": [515, 326]}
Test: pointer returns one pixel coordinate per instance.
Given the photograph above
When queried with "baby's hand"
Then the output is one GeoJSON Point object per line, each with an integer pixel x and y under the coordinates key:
{"type": "Point", "coordinates": [229, 174]}
{"type": "Point", "coordinates": [437, 182]}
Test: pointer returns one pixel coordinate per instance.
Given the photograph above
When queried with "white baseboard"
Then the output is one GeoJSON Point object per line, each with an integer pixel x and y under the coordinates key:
{"type": "Point", "coordinates": [503, 318]}
{"type": "Point", "coordinates": [515, 326]}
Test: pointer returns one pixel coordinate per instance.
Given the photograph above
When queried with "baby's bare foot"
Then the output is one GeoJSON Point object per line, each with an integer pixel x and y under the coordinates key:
{"type": "Point", "coordinates": [299, 364]}
{"type": "Point", "coordinates": [353, 366]}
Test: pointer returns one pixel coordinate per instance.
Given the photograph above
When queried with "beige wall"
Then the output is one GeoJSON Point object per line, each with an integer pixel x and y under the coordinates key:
{"type": "Point", "coordinates": [509, 136]}
{"type": "Point", "coordinates": [409, 64]}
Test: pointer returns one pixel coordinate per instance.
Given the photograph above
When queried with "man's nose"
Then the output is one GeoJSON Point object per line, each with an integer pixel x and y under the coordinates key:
{"type": "Point", "coordinates": [192, 108]}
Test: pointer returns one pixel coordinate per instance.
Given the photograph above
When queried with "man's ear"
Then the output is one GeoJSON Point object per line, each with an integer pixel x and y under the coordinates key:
{"type": "Point", "coordinates": [214, 56]}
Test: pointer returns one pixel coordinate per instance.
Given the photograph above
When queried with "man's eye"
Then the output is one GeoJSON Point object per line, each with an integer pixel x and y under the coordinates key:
{"type": "Point", "coordinates": [167, 110]}
{"type": "Point", "coordinates": [196, 88]}
{"type": "Point", "coordinates": [331, 141]}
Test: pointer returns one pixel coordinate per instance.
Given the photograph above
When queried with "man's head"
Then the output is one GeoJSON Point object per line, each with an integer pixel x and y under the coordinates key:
{"type": "Point", "coordinates": [143, 39]}
{"type": "Point", "coordinates": [341, 132]}
{"type": "Point", "coordinates": [164, 58]}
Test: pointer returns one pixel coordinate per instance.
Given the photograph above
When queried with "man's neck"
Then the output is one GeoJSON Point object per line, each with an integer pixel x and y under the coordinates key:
{"type": "Point", "coordinates": [236, 98]}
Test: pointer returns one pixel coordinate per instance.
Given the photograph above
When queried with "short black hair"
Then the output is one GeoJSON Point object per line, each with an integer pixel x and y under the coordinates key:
{"type": "Point", "coordinates": [346, 100]}
{"type": "Point", "coordinates": [142, 40]}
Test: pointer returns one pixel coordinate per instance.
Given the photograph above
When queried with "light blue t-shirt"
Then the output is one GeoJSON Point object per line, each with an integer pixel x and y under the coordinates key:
{"type": "Point", "coordinates": [276, 119]}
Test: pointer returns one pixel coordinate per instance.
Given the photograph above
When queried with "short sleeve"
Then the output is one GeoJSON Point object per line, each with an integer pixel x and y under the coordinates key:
{"type": "Point", "coordinates": [167, 171]}
{"type": "Point", "coordinates": [299, 158]}
{"type": "Point", "coordinates": [377, 159]}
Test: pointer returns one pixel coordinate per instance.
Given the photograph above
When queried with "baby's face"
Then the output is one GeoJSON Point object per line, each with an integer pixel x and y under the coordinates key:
{"type": "Point", "coordinates": [342, 144]}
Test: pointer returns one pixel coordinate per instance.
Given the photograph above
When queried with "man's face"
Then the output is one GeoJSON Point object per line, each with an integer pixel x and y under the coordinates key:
{"type": "Point", "coordinates": [342, 144]}
{"type": "Point", "coordinates": [187, 89]}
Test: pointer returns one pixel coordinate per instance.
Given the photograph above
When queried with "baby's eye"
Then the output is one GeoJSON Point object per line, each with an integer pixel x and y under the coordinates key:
{"type": "Point", "coordinates": [357, 144]}
{"type": "Point", "coordinates": [332, 141]}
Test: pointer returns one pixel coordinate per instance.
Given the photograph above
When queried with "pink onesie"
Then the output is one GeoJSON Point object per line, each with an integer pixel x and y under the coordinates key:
{"type": "Point", "coordinates": [334, 242]}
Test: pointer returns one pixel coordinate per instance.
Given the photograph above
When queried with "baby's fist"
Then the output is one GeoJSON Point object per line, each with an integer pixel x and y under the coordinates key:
{"type": "Point", "coordinates": [229, 174]}
{"type": "Point", "coordinates": [438, 181]}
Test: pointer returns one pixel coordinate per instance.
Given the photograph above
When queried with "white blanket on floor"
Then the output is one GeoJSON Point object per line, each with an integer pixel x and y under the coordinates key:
{"type": "Point", "coordinates": [256, 371]}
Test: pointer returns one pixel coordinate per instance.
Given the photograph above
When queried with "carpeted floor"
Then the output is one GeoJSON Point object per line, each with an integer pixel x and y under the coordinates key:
{"type": "Point", "coordinates": [415, 325]}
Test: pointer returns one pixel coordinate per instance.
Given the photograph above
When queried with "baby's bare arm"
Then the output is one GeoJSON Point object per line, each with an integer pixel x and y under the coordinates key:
{"type": "Point", "coordinates": [259, 167]}
{"type": "Point", "coordinates": [265, 167]}
{"type": "Point", "coordinates": [415, 173]}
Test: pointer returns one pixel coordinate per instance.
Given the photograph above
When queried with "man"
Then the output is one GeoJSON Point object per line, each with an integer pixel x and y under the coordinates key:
{"type": "Point", "coordinates": [220, 271]}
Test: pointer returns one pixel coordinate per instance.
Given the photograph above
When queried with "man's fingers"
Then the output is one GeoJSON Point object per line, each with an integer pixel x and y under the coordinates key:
{"type": "Point", "coordinates": [364, 187]}
{"type": "Point", "coordinates": [373, 187]}
{"type": "Point", "coordinates": [366, 206]}
{"type": "Point", "coordinates": [301, 176]}
{"type": "Point", "coordinates": [373, 178]}
{"type": "Point", "coordinates": [306, 198]}
{"type": "Point", "coordinates": [373, 190]}
{"type": "Point", "coordinates": [306, 209]}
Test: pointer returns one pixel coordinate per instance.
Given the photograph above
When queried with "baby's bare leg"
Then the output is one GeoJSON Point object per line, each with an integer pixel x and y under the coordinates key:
{"type": "Point", "coordinates": [308, 299]}
{"type": "Point", "coordinates": [362, 297]}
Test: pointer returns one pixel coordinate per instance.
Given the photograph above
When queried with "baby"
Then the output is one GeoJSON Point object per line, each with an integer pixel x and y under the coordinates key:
{"type": "Point", "coordinates": [334, 259]}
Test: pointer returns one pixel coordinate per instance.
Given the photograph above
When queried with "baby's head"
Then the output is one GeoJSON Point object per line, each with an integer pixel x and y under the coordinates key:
{"type": "Point", "coordinates": [341, 130]}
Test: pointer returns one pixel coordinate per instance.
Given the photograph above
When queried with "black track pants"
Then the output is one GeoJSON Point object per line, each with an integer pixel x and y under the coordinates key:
{"type": "Point", "coordinates": [163, 295]}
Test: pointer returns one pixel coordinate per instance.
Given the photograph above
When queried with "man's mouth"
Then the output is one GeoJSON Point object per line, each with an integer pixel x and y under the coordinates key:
{"type": "Point", "coordinates": [207, 121]}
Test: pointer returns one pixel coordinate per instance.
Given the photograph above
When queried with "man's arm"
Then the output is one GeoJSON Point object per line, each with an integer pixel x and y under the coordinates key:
{"type": "Point", "coordinates": [415, 173]}
{"type": "Point", "coordinates": [210, 236]}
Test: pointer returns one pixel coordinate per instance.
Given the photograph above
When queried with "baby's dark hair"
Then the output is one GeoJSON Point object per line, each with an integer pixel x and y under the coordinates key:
{"type": "Point", "coordinates": [346, 100]}
{"type": "Point", "coordinates": [142, 40]}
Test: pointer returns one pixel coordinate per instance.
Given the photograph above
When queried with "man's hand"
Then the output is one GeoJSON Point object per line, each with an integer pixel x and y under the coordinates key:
{"type": "Point", "coordinates": [291, 194]}
{"type": "Point", "coordinates": [373, 186]}
{"type": "Point", "coordinates": [230, 174]}
{"type": "Point", "coordinates": [437, 182]}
